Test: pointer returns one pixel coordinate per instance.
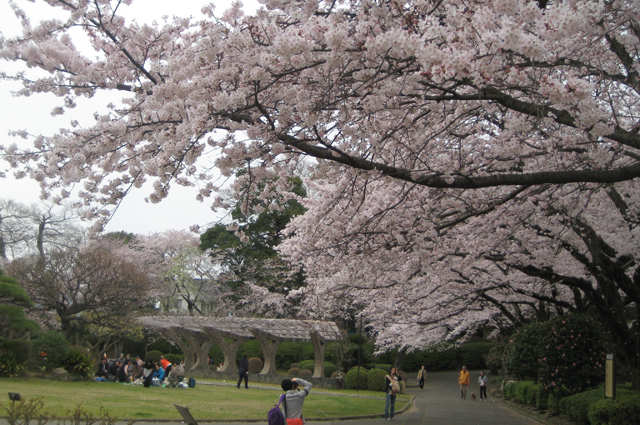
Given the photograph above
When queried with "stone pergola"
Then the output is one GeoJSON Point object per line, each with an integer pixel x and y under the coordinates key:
{"type": "Point", "coordinates": [196, 335]}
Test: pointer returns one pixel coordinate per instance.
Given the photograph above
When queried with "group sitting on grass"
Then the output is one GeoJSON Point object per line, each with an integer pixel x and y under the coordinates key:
{"type": "Point", "coordinates": [137, 372]}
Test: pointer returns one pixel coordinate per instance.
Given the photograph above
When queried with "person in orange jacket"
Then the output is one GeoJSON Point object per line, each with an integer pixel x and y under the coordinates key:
{"type": "Point", "coordinates": [464, 382]}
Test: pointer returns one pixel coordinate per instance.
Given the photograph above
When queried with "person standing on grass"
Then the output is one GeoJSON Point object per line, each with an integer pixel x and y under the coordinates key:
{"type": "Point", "coordinates": [243, 372]}
{"type": "Point", "coordinates": [464, 382]}
{"type": "Point", "coordinates": [294, 399]}
{"type": "Point", "coordinates": [482, 381]}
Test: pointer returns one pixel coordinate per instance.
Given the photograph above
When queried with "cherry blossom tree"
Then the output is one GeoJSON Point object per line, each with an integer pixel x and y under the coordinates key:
{"type": "Point", "coordinates": [472, 162]}
{"type": "Point", "coordinates": [419, 280]}
{"type": "Point", "coordinates": [412, 91]}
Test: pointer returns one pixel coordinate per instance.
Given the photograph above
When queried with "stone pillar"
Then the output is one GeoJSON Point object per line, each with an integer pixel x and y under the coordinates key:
{"type": "Point", "coordinates": [319, 347]}
{"type": "Point", "coordinates": [229, 350]}
{"type": "Point", "coordinates": [269, 344]}
{"type": "Point", "coordinates": [195, 350]}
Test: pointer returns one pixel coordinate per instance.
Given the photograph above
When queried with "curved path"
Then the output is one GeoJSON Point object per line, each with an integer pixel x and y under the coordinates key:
{"type": "Point", "coordinates": [438, 404]}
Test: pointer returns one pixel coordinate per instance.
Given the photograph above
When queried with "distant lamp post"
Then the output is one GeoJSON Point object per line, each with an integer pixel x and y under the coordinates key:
{"type": "Point", "coordinates": [15, 397]}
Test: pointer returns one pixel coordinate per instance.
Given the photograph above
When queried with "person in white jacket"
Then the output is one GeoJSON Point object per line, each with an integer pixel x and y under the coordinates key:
{"type": "Point", "coordinates": [482, 381]}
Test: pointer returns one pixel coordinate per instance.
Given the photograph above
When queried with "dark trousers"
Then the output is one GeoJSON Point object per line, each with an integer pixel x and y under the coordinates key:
{"type": "Point", "coordinates": [422, 383]}
{"type": "Point", "coordinates": [483, 390]}
{"type": "Point", "coordinates": [244, 376]}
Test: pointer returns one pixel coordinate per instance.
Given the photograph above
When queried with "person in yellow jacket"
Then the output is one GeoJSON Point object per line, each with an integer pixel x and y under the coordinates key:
{"type": "Point", "coordinates": [464, 382]}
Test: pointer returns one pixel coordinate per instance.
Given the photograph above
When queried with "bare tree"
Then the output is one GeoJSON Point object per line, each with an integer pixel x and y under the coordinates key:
{"type": "Point", "coordinates": [25, 230]}
{"type": "Point", "coordinates": [95, 284]}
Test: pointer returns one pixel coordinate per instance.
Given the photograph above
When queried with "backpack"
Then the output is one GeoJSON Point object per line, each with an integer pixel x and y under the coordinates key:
{"type": "Point", "coordinates": [395, 385]}
{"type": "Point", "coordinates": [192, 382]}
{"type": "Point", "coordinates": [275, 416]}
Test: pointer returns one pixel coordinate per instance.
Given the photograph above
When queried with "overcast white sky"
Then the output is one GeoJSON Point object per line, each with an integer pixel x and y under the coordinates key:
{"type": "Point", "coordinates": [180, 210]}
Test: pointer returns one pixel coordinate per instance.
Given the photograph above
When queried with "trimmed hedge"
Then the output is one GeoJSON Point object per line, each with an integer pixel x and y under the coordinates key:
{"type": "Point", "coordinates": [375, 379]}
{"type": "Point", "coordinates": [294, 371]}
{"type": "Point", "coordinates": [307, 364]}
{"type": "Point", "coordinates": [154, 355]}
{"type": "Point", "coordinates": [624, 410]}
{"type": "Point", "coordinates": [255, 365]}
{"type": "Point", "coordinates": [576, 407]}
{"type": "Point", "coordinates": [305, 373]}
{"type": "Point", "coordinates": [522, 390]}
{"type": "Point", "coordinates": [174, 358]}
{"type": "Point", "coordinates": [385, 367]}
{"type": "Point", "coordinates": [526, 392]}
{"type": "Point", "coordinates": [329, 368]}
{"type": "Point", "coordinates": [586, 408]}
{"type": "Point", "coordinates": [352, 382]}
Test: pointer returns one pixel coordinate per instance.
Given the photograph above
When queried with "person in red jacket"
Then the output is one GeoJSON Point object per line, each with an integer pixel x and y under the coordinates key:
{"type": "Point", "coordinates": [166, 365]}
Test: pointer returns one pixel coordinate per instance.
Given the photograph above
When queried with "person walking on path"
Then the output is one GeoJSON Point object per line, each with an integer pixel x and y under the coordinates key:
{"type": "Point", "coordinates": [294, 398]}
{"type": "Point", "coordinates": [243, 372]}
{"type": "Point", "coordinates": [482, 380]}
{"type": "Point", "coordinates": [392, 382]}
{"type": "Point", "coordinates": [464, 382]}
{"type": "Point", "coordinates": [422, 375]}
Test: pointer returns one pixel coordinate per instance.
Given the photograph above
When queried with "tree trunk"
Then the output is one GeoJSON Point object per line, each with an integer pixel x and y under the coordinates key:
{"type": "Point", "coordinates": [40, 240]}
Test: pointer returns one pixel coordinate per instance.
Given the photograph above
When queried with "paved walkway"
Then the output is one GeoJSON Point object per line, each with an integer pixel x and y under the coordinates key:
{"type": "Point", "coordinates": [440, 404]}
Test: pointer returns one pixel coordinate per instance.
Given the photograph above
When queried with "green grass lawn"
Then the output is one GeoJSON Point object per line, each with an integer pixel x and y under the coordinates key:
{"type": "Point", "coordinates": [127, 402]}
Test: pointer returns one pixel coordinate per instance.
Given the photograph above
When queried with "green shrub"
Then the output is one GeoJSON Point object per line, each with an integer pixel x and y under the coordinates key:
{"type": "Point", "coordinates": [495, 358]}
{"type": "Point", "coordinates": [624, 410]}
{"type": "Point", "coordinates": [11, 366]}
{"type": "Point", "coordinates": [48, 349]}
{"type": "Point", "coordinates": [78, 363]}
{"type": "Point", "coordinates": [509, 390]}
{"type": "Point", "coordinates": [523, 351]}
{"type": "Point", "coordinates": [154, 355]}
{"type": "Point", "coordinates": [354, 380]}
{"type": "Point", "coordinates": [173, 358]}
{"type": "Point", "coordinates": [375, 379]}
{"type": "Point", "coordinates": [307, 364]}
{"type": "Point", "coordinates": [521, 391]}
{"type": "Point", "coordinates": [215, 353]}
{"type": "Point", "coordinates": [572, 353]}
{"type": "Point", "coordinates": [295, 365]}
{"type": "Point", "coordinates": [329, 369]}
{"type": "Point", "coordinates": [385, 367]}
{"type": "Point", "coordinates": [576, 407]}
{"type": "Point", "coordinates": [294, 371]}
{"type": "Point", "coordinates": [542, 398]}
{"type": "Point", "coordinates": [251, 348]}
{"type": "Point", "coordinates": [305, 373]}
{"type": "Point", "coordinates": [293, 351]}
{"type": "Point", "coordinates": [20, 347]}
{"type": "Point", "coordinates": [255, 365]}
{"type": "Point", "coordinates": [555, 397]}
{"type": "Point", "coordinates": [531, 394]}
